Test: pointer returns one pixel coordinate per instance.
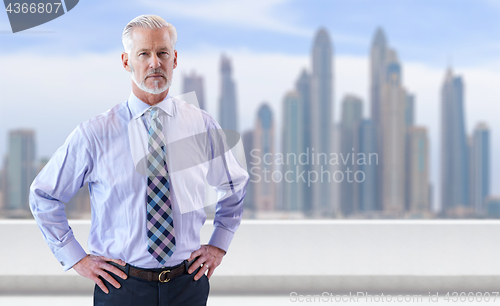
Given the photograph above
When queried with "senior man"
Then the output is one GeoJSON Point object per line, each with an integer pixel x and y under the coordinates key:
{"type": "Point", "coordinates": [144, 239]}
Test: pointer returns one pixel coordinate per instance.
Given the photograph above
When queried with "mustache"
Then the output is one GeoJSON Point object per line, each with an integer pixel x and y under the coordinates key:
{"type": "Point", "coordinates": [156, 71]}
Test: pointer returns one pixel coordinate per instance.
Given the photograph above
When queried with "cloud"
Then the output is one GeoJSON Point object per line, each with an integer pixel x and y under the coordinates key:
{"type": "Point", "coordinates": [253, 14]}
{"type": "Point", "coordinates": [493, 3]}
{"type": "Point", "coordinates": [54, 94]}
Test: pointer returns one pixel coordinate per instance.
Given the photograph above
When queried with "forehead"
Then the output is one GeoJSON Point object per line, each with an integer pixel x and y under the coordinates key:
{"type": "Point", "coordinates": [150, 38]}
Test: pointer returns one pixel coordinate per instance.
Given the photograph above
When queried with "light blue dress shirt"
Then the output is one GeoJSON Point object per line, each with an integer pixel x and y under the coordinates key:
{"type": "Point", "coordinates": [100, 152]}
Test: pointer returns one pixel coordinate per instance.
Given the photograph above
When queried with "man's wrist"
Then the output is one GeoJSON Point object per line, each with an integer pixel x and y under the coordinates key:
{"type": "Point", "coordinates": [221, 238]}
{"type": "Point", "coordinates": [79, 261]}
{"type": "Point", "coordinates": [70, 254]}
{"type": "Point", "coordinates": [219, 250]}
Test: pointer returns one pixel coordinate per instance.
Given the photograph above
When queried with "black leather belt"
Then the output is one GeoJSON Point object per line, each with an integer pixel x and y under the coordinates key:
{"type": "Point", "coordinates": [162, 275]}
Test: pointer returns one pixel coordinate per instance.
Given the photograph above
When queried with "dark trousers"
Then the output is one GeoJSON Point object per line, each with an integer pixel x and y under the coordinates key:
{"type": "Point", "coordinates": [181, 290]}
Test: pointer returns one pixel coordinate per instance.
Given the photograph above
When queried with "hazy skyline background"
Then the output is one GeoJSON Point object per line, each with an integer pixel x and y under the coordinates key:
{"type": "Point", "coordinates": [55, 79]}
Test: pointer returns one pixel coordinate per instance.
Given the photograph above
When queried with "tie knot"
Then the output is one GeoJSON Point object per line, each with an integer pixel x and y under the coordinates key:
{"type": "Point", "coordinates": [155, 110]}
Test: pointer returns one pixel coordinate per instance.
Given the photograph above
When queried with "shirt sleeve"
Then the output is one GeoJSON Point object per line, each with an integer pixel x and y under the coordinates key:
{"type": "Point", "coordinates": [66, 172]}
{"type": "Point", "coordinates": [229, 180]}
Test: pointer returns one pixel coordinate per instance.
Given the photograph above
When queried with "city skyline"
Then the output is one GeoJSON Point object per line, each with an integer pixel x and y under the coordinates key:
{"type": "Point", "coordinates": [394, 101]}
{"type": "Point", "coordinates": [403, 174]}
{"type": "Point", "coordinates": [55, 137]}
{"type": "Point", "coordinates": [423, 72]}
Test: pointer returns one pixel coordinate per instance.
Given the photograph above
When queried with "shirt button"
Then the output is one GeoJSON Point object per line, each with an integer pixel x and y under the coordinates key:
{"type": "Point", "coordinates": [62, 263]}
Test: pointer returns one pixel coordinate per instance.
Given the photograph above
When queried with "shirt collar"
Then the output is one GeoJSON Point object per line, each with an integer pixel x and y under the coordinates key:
{"type": "Point", "coordinates": [138, 107]}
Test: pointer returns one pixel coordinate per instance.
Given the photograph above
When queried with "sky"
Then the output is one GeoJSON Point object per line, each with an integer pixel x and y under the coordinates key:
{"type": "Point", "coordinates": [64, 72]}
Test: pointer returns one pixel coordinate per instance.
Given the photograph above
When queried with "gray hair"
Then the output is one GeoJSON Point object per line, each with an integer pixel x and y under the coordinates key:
{"type": "Point", "coordinates": [148, 22]}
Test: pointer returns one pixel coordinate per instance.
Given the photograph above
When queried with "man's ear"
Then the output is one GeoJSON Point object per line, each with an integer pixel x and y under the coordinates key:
{"type": "Point", "coordinates": [175, 58]}
{"type": "Point", "coordinates": [125, 61]}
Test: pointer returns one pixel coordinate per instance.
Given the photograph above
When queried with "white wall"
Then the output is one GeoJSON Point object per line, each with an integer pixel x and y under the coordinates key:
{"type": "Point", "coordinates": [304, 256]}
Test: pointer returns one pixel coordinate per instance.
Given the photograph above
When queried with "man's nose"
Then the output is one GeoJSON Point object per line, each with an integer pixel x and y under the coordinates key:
{"type": "Point", "coordinates": [154, 62]}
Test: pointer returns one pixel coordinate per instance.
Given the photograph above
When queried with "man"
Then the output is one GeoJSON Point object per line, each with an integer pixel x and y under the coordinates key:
{"type": "Point", "coordinates": [145, 232]}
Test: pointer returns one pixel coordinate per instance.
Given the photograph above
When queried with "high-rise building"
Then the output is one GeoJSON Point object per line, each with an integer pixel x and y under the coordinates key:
{"type": "Point", "coordinates": [493, 207]}
{"type": "Point", "coordinates": [419, 169]}
{"type": "Point", "coordinates": [352, 113]}
{"type": "Point", "coordinates": [393, 137]}
{"type": "Point", "coordinates": [20, 171]}
{"type": "Point", "coordinates": [321, 119]}
{"type": "Point", "coordinates": [410, 110]}
{"type": "Point", "coordinates": [265, 189]}
{"type": "Point", "coordinates": [378, 72]}
{"type": "Point", "coordinates": [3, 186]}
{"type": "Point", "coordinates": [366, 191]}
{"type": "Point", "coordinates": [228, 114]}
{"type": "Point", "coordinates": [248, 144]}
{"type": "Point", "coordinates": [335, 169]}
{"type": "Point", "coordinates": [194, 83]}
{"type": "Point", "coordinates": [409, 123]}
{"type": "Point", "coordinates": [480, 168]}
{"type": "Point", "coordinates": [454, 148]}
{"type": "Point", "coordinates": [292, 147]}
{"type": "Point", "coordinates": [303, 87]}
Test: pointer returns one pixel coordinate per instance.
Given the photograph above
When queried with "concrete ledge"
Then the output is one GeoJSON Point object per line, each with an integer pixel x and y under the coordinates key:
{"type": "Point", "coordinates": [308, 256]}
{"type": "Point", "coordinates": [273, 285]}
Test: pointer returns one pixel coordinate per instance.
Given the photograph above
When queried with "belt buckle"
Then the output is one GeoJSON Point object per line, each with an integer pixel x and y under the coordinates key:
{"type": "Point", "coordinates": [166, 279]}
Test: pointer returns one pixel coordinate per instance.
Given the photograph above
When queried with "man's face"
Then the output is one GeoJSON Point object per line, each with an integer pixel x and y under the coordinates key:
{"type": "Point", "coordinates": [152, 59]}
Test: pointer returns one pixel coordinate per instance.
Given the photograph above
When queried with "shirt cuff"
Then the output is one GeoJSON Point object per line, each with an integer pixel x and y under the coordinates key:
{"type": "Point", "coordinates": [221, 238]}
{"type": "Point", "coordinates": [70, 254]}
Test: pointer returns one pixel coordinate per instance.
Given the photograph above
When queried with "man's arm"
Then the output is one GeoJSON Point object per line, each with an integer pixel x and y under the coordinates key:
{"type": "Point", "coordinates": [229, 180]}
{"type": "Point", "coordinates": [66, 172]}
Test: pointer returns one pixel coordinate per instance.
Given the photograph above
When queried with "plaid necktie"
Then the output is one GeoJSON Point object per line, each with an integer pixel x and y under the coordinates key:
{"type": "Point", "coordinates": [161, 237]}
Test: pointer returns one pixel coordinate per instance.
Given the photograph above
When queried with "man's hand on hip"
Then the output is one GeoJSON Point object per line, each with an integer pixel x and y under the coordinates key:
{"type": "Point", "coordinates": [92, 267]}
{"type": "Point", "coordinates": [210, 256]}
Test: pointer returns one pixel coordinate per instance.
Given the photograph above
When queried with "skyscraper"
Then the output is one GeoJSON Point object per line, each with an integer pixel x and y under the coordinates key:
{"type": "Point", "coordinates": [419, 169]}
{"type": "Point", "coordinates": [321, 119]}
{"type": "Point", "coordinates": [493, 207]}
{"type": "Point", "coordinates": [20, 171]}
{"type": "Point", "coordinates": [366, 191]}
{"type": "Point", "coordinates": [335, 194]}
{"type": "Point", "coordinates": [292, 147]}
{"type": "Point", "coordinates": [410, 110]}
{"type": "Point", "coordinates": [265, 189]}
{"type": "Point", "coordinates": [454, 150]}
{"type": "Point", "coordinates": [352, 113]}
{"type": "Point", "coordinates": [409, 123]}
{"type": "Point", "coordinates": [303, 87]}
{"type": "Point", "coordinates": [248, 145]}
{"type": "Point", "coordinates": [194, 83]}
{"type": "Point", "coordinates": [378, 72]}
{"type": "Point", "coordinates": [228, 114]}
{"type": "Point", "coordinates": [480, 168]}
{"type": "Point", "coordinates": [392, 129]}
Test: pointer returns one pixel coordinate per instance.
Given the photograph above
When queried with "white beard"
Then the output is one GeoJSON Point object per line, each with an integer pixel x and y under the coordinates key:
{"type": "Point", "coordinates": [156, 90]}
